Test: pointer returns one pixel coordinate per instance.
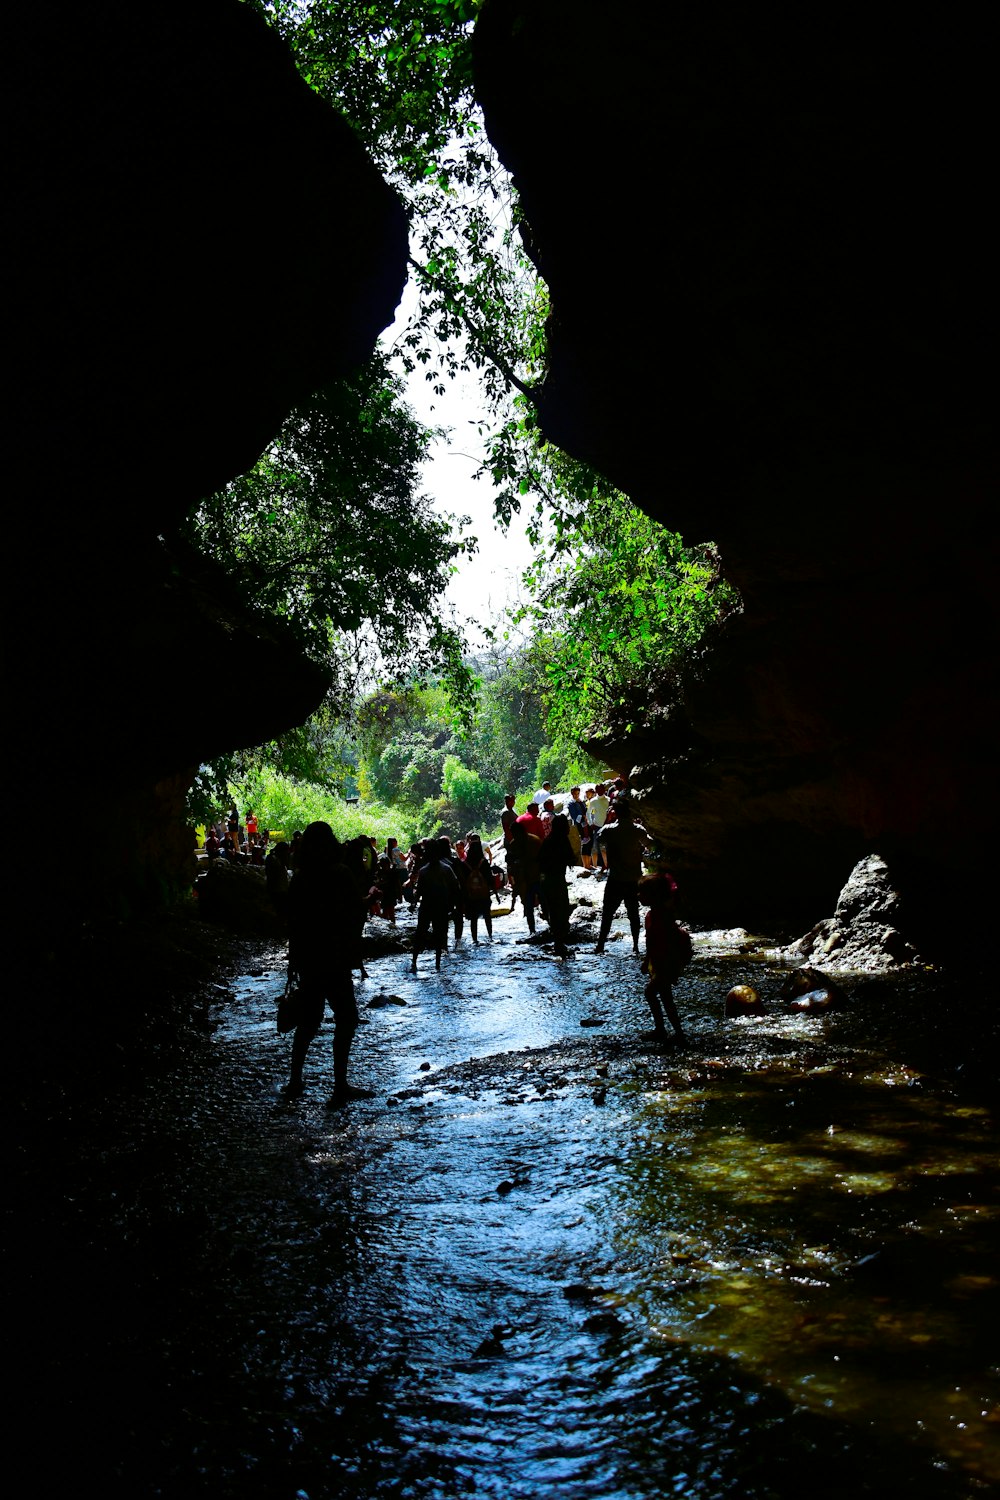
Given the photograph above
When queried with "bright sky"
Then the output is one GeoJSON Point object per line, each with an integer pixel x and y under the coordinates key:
{"type": "Point", "coordinates": [490, 578]}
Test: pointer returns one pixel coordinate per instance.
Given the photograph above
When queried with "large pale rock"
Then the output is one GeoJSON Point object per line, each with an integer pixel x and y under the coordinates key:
{"type": "Point", "coordinates": [869, 927]}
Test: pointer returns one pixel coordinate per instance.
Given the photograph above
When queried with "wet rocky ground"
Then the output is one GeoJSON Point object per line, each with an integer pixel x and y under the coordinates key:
{"type": "Point", "coordinates": [544, 1256]}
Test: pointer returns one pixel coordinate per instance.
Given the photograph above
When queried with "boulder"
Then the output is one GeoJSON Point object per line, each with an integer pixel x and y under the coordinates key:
{"type": "Point", "coordinates": [743, 1000]}
{"type": "Point", "coordinates": [864, 931]}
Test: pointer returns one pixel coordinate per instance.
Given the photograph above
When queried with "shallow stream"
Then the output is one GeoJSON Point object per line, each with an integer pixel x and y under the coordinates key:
{"type": "Point", "coordinates": [548, 1257]}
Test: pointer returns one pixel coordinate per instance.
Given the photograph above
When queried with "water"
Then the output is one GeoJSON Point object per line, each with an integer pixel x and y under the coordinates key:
{"type": "Point", "coordinates": [547, 1258]}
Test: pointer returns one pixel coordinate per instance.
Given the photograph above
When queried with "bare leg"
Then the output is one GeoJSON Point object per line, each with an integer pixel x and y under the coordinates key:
{"type": "Point", "coordinates": [300, 1046]}
{"type": "Point", "coordinates": [655, 992]}
{"type": "Point", "coordinates": [311, 1019]}
{"type": "Point", "coordinates": [346, 1013]}
{"type": "Point", "coordinates": [343, 1037]}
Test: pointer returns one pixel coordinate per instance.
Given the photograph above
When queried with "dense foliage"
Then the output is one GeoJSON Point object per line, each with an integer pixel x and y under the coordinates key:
{"type": "Point", "coordinates": [284, 805]}
{"type": "Point", "coordinates": [304, 534]}
{"type": "Point", "coordinates": [616, 605]}
{"type": "Point", "coordinates": [305, 530]}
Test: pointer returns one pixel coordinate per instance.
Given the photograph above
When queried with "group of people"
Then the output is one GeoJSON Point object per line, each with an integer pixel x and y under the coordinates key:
{"type": "Point", "coordinates": [321, 888]}
{"type": "Point", "coordinates": [238, 839]}
{"type": "Point", "coordinates": [325, 890]}
{"type": "Point", "coordinates": [588, 812]}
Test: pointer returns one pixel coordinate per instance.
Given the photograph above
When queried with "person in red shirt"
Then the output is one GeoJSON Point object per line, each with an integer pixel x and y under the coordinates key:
{"type": "Point", "coordinates": [525, 845]}
{"type": "Point", "coordinates": [668, 950]}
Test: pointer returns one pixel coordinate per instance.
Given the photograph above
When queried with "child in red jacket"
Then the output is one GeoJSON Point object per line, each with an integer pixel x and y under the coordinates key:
{"type": "Point", "coordinates": [668, 950]}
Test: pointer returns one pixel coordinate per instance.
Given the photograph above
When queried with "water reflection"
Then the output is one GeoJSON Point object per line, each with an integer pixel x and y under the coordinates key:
{"type": "Point", "coordinates": [833, 1234]}
{"type": "Point", "coordinates": [545, 1258]}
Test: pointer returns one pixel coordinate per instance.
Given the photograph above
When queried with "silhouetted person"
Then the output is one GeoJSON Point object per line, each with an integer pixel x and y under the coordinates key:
{"type": "Point", "coordinates": [457, 862]}
{"type": "Point", "coordinates": [478, 887]}
{"type": "Point", "coordinates": [525, 848]}
{"type": "Point", "coordinates": [507, 820]}
{"type": "Point", "coordinates": [555, 856]}
{"type": "Point", "coordinates": [623, 844]}
{"type": "Point", "coordinates": [597, 815]}
{"type": "Point", "coordinates": [668, 950]}
{"type": "Point", "coordinates": [438, 890]}
{"type": "Point", "coordinates": [276, 874]}
{"type": "Point", "coordinates": [322, 934]}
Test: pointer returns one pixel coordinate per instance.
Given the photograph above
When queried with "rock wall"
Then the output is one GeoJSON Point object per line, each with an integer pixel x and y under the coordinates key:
{"type": "Point", "coordinates": [196, 242]}
{"type": "Point", "coordinates": [766, 241]}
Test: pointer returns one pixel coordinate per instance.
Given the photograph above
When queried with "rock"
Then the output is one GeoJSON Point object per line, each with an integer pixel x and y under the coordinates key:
{"type": "Point", "coordinates": [505, 1187]}
{"type": "Point", "coordinates": [809, 990]}
{"type": "Point", "coordinates": [801, 980]}
{"type": "Point", "coordinates": [815, 1000]}
{"type": "Point", "coordinates": [236, 897]}
{"type": "Point", "coordinates": [592, 1021]}
{"type": "Point", "coordinates": [743, 1000]}
{"type": "Point", "coordinates": [582, 1291]}
{"type": "Point", "coordinates": [768, 350]}
{"type": "Point", "coordinates": [156, 358]}
{"type": "Point", "coordinates": [602, 1322]}
{"type": "Point", "coordinates": [599, 1095]}
{"type": "Point", "coordinates": [864, 931]}
{"type": "Point", "coordinates": [491, 1347]}
{"type": "Point", "coordinates": [383, 942]}
{"type": "Point", "coordinates": [425, 1067]}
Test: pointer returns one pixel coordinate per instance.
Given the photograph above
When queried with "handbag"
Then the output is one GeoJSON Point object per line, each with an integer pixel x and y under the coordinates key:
{"type": "Point", "coordinates": [289, 1005]}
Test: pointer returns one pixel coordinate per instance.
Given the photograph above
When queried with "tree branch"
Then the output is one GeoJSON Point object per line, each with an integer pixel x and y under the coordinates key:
{"type": "Point", "coordinates": [482, 342]}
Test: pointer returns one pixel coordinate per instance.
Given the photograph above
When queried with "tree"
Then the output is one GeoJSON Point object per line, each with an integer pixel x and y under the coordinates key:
{"type": "Point", "coordinates": [469, 801]}
{"type": "Point", "coordinates": [618, 604]}
{"type": "Point", "coordinates": [507, 726]}
{"type": "Point", "coordinates": [330, 531]}
{"type": "Point", "coordinates": [619, 608]}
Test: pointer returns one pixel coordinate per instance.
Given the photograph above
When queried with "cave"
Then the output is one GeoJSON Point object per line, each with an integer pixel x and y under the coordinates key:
{"type": "Point", "coordinates": [766, 246]}
{"type": "Point", "coordinates": [765, 241]}
{"type": "Point", "coordinates": [200, 242]}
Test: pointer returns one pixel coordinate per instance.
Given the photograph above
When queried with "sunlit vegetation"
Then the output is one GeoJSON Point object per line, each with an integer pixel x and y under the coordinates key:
{"type": "Point", "coordinates": [615, 607]}
{"type": "Point", "coordinates": [284, 805]}
{"type": "Point", "coordinates": [618, 606]}
{"type": "Point", "coordinates": [305, 529]}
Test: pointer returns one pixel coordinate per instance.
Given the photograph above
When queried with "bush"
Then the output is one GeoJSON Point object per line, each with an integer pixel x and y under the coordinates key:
{"type": "Point", "coordinates": [566, 765]}
{"type": "Point", "coordinates": [469, 801]}
{"type": "Point", "coordinates": [284, 804]}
